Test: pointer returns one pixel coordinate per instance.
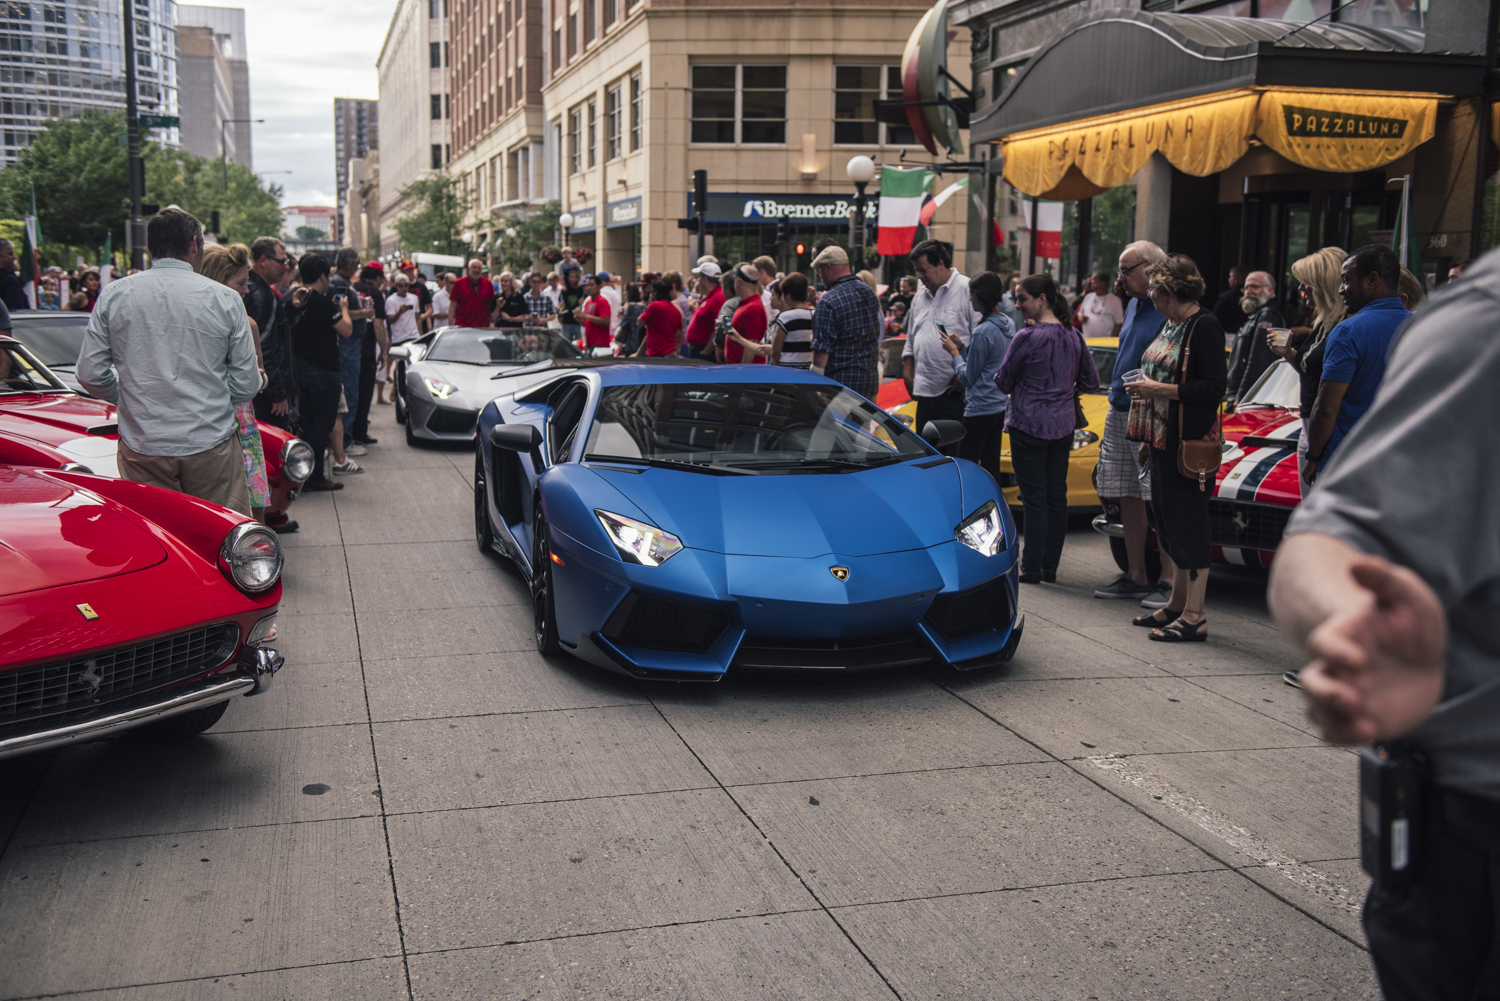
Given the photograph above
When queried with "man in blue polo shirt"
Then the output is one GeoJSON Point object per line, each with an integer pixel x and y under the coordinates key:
{"type": "Point", "coordinates": [1355, 353]}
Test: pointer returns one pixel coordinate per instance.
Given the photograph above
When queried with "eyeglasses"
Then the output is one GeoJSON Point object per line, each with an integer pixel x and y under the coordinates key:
{"type": "Point", "coordinates": [1126, 271]}
{"type": "Point", "coordinates": [280, 260]}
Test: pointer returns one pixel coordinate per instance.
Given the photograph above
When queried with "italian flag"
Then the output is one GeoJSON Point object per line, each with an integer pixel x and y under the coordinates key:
{"type": "Point", "coordinates": [901, 193]}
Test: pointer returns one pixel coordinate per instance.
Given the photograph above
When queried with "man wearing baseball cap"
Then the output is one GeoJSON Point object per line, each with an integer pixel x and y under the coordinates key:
{"type": "Point", "coordinates": [700, 331]}
{"type": "Point", "coordinates": [423, 293]}
{"type": "Point", "coordinates": [846, 326]}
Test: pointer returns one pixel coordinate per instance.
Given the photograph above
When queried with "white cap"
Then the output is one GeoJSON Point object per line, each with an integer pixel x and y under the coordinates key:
{"type": "Point", "coordinates": [708, 269]}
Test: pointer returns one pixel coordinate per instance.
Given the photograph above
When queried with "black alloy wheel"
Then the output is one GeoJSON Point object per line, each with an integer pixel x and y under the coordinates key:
{"type": "Point", "coordinates": [543, 602]}
{"type": "Point", "coordinates": [484, 533]}
{"type": "Point", "coordinates": [1122, 558]}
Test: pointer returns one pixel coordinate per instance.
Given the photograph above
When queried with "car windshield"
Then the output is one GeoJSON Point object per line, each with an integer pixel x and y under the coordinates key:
{"type": "Point", "coordinates": [526, 346]}
{"type": "Point", "coordinates": [1280, 386]}
{"type": "Point", "coordinates": [54, 339]}
{"type": "Point", "coordinates": [19, 373]}
{"type": "Point", "coordinates": [773, 427]}
{"type": "Point", "coordinates": [1104, 361]}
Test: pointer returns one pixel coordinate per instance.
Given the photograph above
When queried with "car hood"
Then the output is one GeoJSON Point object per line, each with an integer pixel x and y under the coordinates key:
{"type": "Point", "coordinates": [53, 534]}
{"type": "Point", "coordinates": [53, 417]}
{"type": "Point", "coordinates": [473, 381]}
{"type": "Point", "coordinates": [891, 509]}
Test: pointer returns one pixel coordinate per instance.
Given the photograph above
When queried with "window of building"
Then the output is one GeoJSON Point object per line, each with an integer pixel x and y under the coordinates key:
{"type": "Point", "coordinates": [557, 53]}
{"type": "Point", "coordinates": [523, 173]}
{"type": "Point", "coordinates": [609, 12]}
{"type": "Point", "coordinates": [435, 55]}
{"type": "Point", "coordinates": [436, 8]}
{"type": "Point", "coordinates": [739, 104]}
{"type": "Point", "coordinates": [494, 180]}
{"type": "Point", "coordinates": [437, 107]}
{"type": "Point", "coordinates": [635, 112]}
{"type": "Point", "coordinates": [572, 34]}
{"type": "Point", "coordinates": [614, 113]}
{"type": "Point", "coordinates": [587, 8]}
{"type": "Point", "coordinates": [447, 106]}
{"type": "Point", "coordinates": [855, 91]}
{"type": "Point", "coordinates": [593, 132]}
{"type": "Point", "coordinates": [575, 139]}
{"type": "Point", "coordinates": [437, 157]}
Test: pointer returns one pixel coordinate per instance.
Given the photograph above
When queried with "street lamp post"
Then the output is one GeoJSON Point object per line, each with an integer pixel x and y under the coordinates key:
{"type": "Point", "coordinates": [861, 170]}
{"type": "Point", "coordinates": [566, 222]}
{"type": "Point", "coordinates": [135, 232]}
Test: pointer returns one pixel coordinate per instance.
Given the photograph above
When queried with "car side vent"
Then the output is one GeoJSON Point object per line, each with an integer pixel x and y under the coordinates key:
{"type": "Point", "coordinates": [960, 616]}
{"type": "Point", "coordinates": [644, 620]}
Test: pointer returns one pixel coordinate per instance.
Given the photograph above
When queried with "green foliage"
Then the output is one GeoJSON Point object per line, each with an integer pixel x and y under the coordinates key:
{"type": "Point", "coordinates": [1113, 227]}
{"type": "Point", "coordinates": [312, 234]}
{"type": "Point", "coordinates": [520, 252]}
{"type": "Point", "coordinates": [436, 224]}
{"type": "Point", "coordinates": [78, 167]}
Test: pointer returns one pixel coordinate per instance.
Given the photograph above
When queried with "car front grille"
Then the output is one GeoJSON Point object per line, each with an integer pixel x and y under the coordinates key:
{"type": "Point", "coordinates": [861, 653]}
{"type": "Point", "coordinates": [644, 620]}
{"type": "Point", "coordinates": [443, 421]}
{"type": "Point", "coordinates": [1246, 526]}
{"type": "Point", "coordinates": [51, 694]}
{"type": "Point", "coordinates": [960, 616]}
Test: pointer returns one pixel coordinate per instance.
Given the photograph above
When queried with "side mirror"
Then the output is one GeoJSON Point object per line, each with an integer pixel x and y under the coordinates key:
{"type": "Point", "coordinates": [516, 437]}
{"type": "Point", "coordinates": [942, 434]}
{"type": "Point", "coordinates": [399, 351]}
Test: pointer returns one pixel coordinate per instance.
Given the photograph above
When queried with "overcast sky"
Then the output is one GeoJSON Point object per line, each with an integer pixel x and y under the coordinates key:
{"type": "Point", "coordinates": [301, 58]}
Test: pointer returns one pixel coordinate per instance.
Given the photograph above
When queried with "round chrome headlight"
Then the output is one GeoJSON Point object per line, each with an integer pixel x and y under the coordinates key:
{"type": "Point", "coordinates": [251, 557]}
{"type": "Point", "coordinates": [297, 460]}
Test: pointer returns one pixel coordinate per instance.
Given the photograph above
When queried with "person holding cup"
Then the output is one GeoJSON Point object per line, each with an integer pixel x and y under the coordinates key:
{"type": "Point", "coordinates": [1176, 397]}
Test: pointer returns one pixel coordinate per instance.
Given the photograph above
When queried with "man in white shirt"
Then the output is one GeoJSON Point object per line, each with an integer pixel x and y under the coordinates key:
{"type": "Point", "coordinates": [441, 300]}
{"type": "Point", "coordinates": [941, 304]}
{"type": "Point", "coordinates": [401, 311]}
{"type": "Point", "coordinates": [612, 296]}
{"type": "Point", "coordinates": [1101, 310]}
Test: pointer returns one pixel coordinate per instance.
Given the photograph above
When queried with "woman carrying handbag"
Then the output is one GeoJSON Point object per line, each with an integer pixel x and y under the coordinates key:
{"type": "Point", "coordinates": [1174, 412]}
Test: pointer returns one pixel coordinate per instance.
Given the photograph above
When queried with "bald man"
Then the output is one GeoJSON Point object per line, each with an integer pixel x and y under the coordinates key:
{"type": "Point", "coordinates": [472, 299]}
{"type": "Point", "coordinates": [1252, 352]}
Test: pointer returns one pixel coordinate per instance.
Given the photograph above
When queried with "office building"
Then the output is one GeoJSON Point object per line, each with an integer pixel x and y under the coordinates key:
{"type": "Point", "coordinates": [356, 131]}
{"type": "Point", "coordinates": [60, 59]}
{"type": "Point", "coordinates": [196, 75]}
{"type": "Point", "coordinates": [414, 107]}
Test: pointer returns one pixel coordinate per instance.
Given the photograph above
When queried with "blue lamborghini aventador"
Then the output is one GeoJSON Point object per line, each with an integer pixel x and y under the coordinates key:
{"type": "Point", "coordinates": [679, 521]}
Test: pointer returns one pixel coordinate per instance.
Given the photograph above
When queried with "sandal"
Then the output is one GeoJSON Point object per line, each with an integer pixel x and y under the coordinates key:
{"type": "Point", "coordinates": [1152, 620]}
{"type": "Point", "coordinates": [1181, 631]}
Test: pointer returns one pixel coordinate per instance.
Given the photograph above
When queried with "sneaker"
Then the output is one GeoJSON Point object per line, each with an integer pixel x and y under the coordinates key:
{"type": "Point", "coordinates": [1291, 678]}
{"type": "Point", "coordinates": [1030, 577]}
{"type": "Point", "coordinates": [355, 448]}
{"type": "Point", "coordinates": [1159, 596]}
{"type": "Point", "coordinates": [1123, 587]}
{"type": "Point", "coordinates": [347, 466]}
{"type": "Point", "coordinates": [1049, 576]}
{"type": "Point", "coordinates": [366, 440]}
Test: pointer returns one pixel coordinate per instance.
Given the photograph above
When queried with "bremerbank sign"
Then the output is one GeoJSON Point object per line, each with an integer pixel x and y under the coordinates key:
{"type": "Point", "coordinates": [834, 209]}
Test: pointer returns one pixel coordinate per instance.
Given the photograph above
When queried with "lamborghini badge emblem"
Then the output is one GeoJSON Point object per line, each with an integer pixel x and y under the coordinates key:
{"type": "Point", "coordinates": [88, 611]}
{"type": "Point", "coordinates": [839, 573]}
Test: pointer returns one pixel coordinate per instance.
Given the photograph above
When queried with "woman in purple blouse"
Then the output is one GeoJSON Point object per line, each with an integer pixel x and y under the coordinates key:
{"type": "Point", "coordinates": [1045, 367]}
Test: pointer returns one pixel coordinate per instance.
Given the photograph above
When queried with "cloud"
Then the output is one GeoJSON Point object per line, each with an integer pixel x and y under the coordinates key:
{"type": "Point", "coordinates": [301, 58]}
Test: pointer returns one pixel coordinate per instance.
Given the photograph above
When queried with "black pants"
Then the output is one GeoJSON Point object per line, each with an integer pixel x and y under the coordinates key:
{"type": "Point", "coordinates": [361, 429]}
{"type": "Point", "coordinates": [1440, 939]}
{"type": "Point", "coordinates": [262, 405]}
{"type": "Point", "coordinates": [1181, 511]}
{"type": "Point", "coordinates": [317, 411]}
{"type": "Point", "coordinates": [981, 444]}
{"type": "Point", "coordinates": [948, 407]}
{"type": "Point", "coordinates": [1041, 466]}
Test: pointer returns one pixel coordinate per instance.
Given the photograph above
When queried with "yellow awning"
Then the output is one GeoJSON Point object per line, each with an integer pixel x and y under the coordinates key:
{"type": "Point", "coordinates": [1323, 130]}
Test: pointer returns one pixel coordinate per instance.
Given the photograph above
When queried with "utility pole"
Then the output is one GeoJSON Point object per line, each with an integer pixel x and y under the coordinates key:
{"type": "Point", "coordinates": [135, 232]}
{"type": "Point", "coordinates": [700, 209]}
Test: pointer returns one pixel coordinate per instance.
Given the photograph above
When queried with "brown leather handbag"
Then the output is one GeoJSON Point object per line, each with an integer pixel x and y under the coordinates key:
{"type": "Point", "coordinates": [1198, 459]}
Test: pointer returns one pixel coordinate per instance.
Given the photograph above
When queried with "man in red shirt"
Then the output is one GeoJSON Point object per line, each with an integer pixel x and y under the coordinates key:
{"type": "Point", "coordinates": [596, 315]}
{"type": "Point", "coordinates": [472, 300]}
{"type": "Point", "coordinates": [749, 320]}
{"type": "Point", "coordinates": [700, 331]}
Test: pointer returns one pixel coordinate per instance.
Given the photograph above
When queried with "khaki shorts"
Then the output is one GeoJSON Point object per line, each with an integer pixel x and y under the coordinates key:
{"type": "Point", "coordinates": [216, 475]}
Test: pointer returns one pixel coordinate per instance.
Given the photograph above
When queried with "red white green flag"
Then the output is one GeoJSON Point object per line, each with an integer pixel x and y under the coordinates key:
{"type": "Point", "coordinates": [901, 193]}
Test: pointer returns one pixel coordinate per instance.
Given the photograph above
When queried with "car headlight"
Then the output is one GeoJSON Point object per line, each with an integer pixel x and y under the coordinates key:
{"type": "Point", "coordinates": [637, 541]}
{"type": "Point", "coordinates": [982, 530]}
{"type": "Point", "coordinates": [296, 460]}
{"type": "Point", "coordinates": [439, 388]}
{"type": "Point", "coordinates": [251, 557]}
{"type": "Point", "coordinates": [1082, 439]}
{"type": "Point", "coordinates": [263, 632]}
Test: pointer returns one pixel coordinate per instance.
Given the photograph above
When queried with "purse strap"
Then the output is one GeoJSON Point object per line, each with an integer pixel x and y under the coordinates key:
{"type": "Point", "coordinates": [1187, 349]}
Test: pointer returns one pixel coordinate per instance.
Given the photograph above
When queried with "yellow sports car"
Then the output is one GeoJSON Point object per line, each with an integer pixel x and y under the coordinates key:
{"type": "Point", "coordinates": [1081, 495]}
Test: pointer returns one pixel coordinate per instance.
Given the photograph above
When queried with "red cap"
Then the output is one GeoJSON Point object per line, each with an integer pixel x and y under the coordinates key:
{"type": "Point", "coordinates": [407, 265]}
{"type": "Point", "coordinates": [377, 266]}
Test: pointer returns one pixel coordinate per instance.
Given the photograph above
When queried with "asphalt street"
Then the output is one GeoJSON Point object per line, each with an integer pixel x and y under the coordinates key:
{"type": "Point", "coordinates": [425, 808]}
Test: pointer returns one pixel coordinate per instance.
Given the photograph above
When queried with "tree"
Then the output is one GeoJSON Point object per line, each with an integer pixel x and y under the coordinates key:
{"type": "Point", "coordinates": [436, 226]}
{"type": "Point", "coordinates": [533, 232]}
{"type": "Point", "coordinates": [247, 209]}
{"type": "Point", "coordinates": [312, 234]}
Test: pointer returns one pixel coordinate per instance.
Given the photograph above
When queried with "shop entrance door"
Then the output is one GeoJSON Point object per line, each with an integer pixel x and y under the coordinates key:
{"type": "Point", "coordinates": [1278, 230]}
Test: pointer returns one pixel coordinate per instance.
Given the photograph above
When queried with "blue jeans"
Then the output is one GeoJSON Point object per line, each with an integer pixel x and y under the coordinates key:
{"type": "Point", "coordinates": [350, 350]}
{"type": "Point", "coordinates": [573, 331]}
{"type": "Point", "coordinates": [317, 411]}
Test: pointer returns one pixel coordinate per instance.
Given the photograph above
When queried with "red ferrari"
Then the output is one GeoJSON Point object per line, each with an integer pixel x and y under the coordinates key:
{"type": "Point", "coordinates": [44, 423]}
{"type": "Point", "coordinates": [88, 644]}
{"type": "Point", "coordinates": [1258, 486]}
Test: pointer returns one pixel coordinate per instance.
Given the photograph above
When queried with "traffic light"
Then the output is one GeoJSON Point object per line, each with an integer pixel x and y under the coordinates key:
{"type": "Point", "coordinates": [801, 249]}
{"type": "Point", "coordinates": [783, 231]}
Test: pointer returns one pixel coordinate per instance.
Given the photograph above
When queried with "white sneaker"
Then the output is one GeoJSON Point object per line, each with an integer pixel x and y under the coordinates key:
{"type": "Point", "coordinates": [347, 466]}
{"type": "Point", "coordinates": [355, 448]}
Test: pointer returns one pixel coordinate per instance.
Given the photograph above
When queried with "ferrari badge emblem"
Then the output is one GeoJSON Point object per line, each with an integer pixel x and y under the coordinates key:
{"type": "Point", "coordinates": [88, 611]}
{"type": "Point", "coordinates": [839, 573]}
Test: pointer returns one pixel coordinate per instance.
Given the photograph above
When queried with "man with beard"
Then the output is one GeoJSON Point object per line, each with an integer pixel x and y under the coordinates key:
{"type": "Point", "coordinates": [1252, 353]}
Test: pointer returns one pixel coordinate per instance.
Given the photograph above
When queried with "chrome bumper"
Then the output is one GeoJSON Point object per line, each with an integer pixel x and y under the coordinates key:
{"type": "Point", "coordinates": [252, 680]}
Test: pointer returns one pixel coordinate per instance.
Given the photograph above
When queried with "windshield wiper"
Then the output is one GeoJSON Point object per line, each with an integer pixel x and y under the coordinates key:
{"type": "Point", "coordinates": [808, 463]}
{"type": "Point", "coordinates": [691, 467]}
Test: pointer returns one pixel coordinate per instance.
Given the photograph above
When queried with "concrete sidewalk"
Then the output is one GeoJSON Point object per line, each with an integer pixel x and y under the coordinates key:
{"type": "Point", "coordinates": [424, 808]}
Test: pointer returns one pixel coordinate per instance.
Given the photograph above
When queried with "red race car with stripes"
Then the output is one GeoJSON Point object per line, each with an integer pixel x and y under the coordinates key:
{"type": "Point", "coordinates": [1258, 487]}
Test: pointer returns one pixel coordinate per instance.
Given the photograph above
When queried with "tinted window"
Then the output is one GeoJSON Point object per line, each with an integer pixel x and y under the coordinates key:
{"type": "Point", "coordinates": [55, 339]}
{"type": "Point", "coordinates": [1104, 361]}
{"type": "Point", "coordinates": [500, 347]}
{"type": "Point", "coordinates": [19, 374]}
